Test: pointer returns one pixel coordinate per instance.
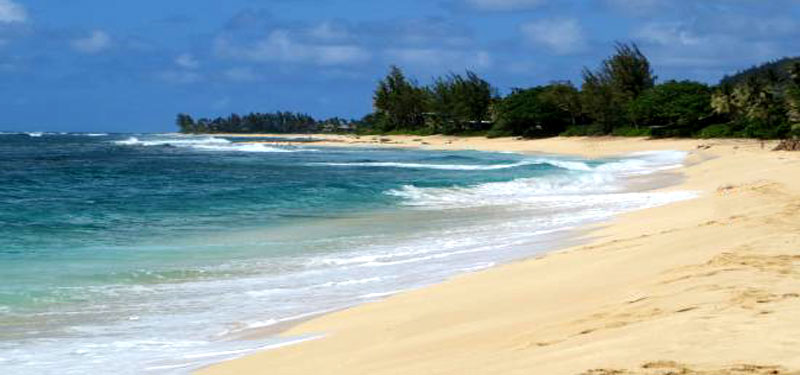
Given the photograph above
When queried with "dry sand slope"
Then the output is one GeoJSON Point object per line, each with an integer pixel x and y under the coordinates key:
{"type": "Point", "coordinates": [707, 286]}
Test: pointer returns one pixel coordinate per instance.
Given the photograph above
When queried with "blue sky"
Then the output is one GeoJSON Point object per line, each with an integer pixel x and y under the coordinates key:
{"type": "Point", "coordinates": [92, 65]}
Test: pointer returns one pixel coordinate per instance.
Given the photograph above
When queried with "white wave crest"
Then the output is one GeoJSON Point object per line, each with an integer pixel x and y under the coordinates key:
{"type": "Point", "coordinates": [598, 182]}
{"type": "Point", "coordinates": [523, 190]}
{"type": "Point", "coordinates": [243, 147]}
{"type": "Point", "coordinates": [641, 163]}
{"type": "Point", "coordinates": [450, 167]}
{"type": "Point", "coordinates": [134, 141]}
{"type": "Point", "coordinates": [208, 144]}
{"type": "Point", "coordinates": [572, 165]}
{"type": "Point", "coordinates": [565, 164]}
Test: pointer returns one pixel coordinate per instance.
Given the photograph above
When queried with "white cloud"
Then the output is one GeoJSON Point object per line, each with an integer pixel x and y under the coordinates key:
{"type": "Point", "coordinates": [11, 12]}
{"type": "Point", "coordinates": [279, 46]}
{"type": "Point", "coordinates": [337, 55]}
{"type": "Point", "coordinates": [562, 36]}
{"type": "Point", "coordinates": [96, 42]}
{"type": "Point", "coordinates": [427, 32]}
{"type": "Point", "coordinates": [690, 45]}
{"type": "Point", "coordinates": [187, 61]}
{"type": "Point", "coordinates": [504, 5]}
{"type": "Point", "coordinates": [668, 34]}
{"type": "Point", "coordinates": [180, 76]}
{"type": "Point", "coordinates": [638, 7]}
{"type": "Point", "coordinates": [241, 74]}
{"type": "Point", "coordinates": [483, 59]}
{"type": "Point", "coordinates": [440, 58]}
{"type": "Point", "coordinates": [329, 31]}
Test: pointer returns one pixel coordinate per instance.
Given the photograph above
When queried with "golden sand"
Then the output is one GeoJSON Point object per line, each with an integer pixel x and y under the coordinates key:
{"type": "Point", "coordinates": [707, 286]}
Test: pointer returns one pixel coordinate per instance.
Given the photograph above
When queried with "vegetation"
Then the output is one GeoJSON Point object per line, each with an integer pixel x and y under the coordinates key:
{"type": "Point", "coordinates": [541, 111]}
{"type": "Point", "coordinates": [278, 122]}
{"type": "Point", "coordinates": [459, 104]}
{"type": "Point", "coordinates": [609, 91]}
{"type": "Point", "coordinates": [400, 104]}
{"type": "Point", "coordinates": [673, 108]}
{"type": "Point", "coordinates": [620, 97]}
{"type": "Point", "coordinates": [454, 104]}
{"type": "Point", "coordinates": [761, 102]}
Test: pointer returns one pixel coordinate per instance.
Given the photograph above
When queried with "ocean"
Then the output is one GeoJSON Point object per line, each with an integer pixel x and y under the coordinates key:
{"type": "Point", "coordinates": [153, 253]}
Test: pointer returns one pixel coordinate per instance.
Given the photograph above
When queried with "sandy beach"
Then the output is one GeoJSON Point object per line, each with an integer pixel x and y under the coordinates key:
{"type": "Point", "coordinates": [705, 286]}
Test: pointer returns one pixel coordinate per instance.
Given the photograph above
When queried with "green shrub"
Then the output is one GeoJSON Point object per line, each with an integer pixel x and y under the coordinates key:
{"type": "Point", "coordinates": [716, 131]}
{"type": "Point", "coordinates": [583, 131]}
{"type": "Point", "coordinates": [631, 132]}
{"type": "Point", "coordinates": [530, 113]}
{"type": "Point", "coordinates": [497, 133]}
{"type": "Point", "coordinates": [420, 132]}
{"type": "Point", "coordinates": [762, 130]}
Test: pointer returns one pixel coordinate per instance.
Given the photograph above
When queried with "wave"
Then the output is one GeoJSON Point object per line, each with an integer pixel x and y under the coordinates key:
{"type": "Point", "coordinates": [565, 164]}
{"type": "Point", "coordinates": [274, 321]}
{"type": "Point", "coordinates": [449, 167]}
{"type": "Point", "coordinates": [571, 165]}
{"type": "Point", "coordinates": [383, 294]}
{"type": "Point", "coordinates": [636, 163]}
{"type": "Point", "coordinates": [557, 189]}
{"type": "Point", "coordinates": [480, 267]}
{"type": "Point", "coordinates": [41, 134]}
{"type": "Point", "coordinates": [524, 190]}
{"type": "Point", "coordinates": [246, 147]}
{"type": "Point", "coordinates": [640, 163]}
{"type": "Point", "coordinates": [134, 141]}
{"type": "Point", "coordinates": [208, 144]}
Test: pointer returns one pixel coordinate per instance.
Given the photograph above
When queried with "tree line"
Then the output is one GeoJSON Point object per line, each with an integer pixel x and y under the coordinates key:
{"type": "Point", "coordinates": [278, 122]}
{"type": "Point", "coordinates": [619, 97]}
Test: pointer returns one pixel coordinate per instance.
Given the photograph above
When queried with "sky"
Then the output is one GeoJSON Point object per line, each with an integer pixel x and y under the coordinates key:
{"type": "Point", "coordinates": [131, 66]}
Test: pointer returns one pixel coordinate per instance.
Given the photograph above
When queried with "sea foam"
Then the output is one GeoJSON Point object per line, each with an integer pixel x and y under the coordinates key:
{"type": "Point", "coordinates": [587, 183]}
{"type": "Point", "coordinates": [208, 144]}
{"type": "Point", "coordinates": [572, 165]}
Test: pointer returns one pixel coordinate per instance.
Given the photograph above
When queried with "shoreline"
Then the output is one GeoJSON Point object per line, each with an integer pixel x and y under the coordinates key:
{"type": "Point", "coordinates": [591, 147]}
{"type": "Point", "coordinates": [612, 308]}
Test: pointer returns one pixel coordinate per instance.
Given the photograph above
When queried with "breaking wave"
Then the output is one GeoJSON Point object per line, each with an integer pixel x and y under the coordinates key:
{"type": "Point", "coordinates": [587, 183]}
{"type": "Point", "coordinates": [571, 165]}
{"type": "Point", "coordinates": [208, 144]}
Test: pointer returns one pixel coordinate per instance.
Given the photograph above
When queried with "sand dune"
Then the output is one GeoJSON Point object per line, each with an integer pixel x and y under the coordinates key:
{"type": "Point", "coordinates": [707, 286]}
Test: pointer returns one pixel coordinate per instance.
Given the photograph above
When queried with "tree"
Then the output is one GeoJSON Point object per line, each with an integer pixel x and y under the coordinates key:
{"type": "Point", "coordinates": [566, 97]}
{"type": "Point", "coordinates": [600, 100]}
{"type": "Point", "coordinates": [680, 105]}
{"type": "Point", "coordinates": [185, 123]}
{"type": "Point", "coordinates": [793, 99]}
{"type": "Point", "coordinates": [759, 104]}
{"type": "Point", "coordinates": [630, 71]}
{"type": "Point", "coordinates": [609, 90]}
{"type": "Point", "coordinates": [401, 101]}
{"type": "Point", "coordinates": [459, 103]}
{"type": "Point", "coordinates": [530, 113]}
{"type": "Point", "coordinates": [278, 122]}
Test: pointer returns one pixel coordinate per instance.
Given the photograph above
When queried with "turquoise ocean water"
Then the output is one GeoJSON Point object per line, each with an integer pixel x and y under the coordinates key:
{"type": "Point", "coordinates": [151, 253]}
